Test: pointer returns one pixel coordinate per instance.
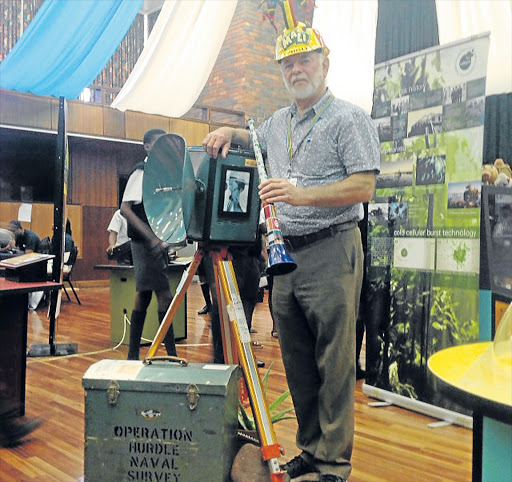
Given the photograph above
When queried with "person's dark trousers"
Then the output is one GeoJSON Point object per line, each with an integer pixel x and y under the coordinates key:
{"type": "Point", "coordinates": [209, 274]}
{"type": "Point", "coordinates": [247, 274]}
{"type": "Point", "coordinates": [170, 345]}
{"type": "Point", "coordinates": [205, 289]}
{"type": "Point", "coordinates": [136, 326]}
{"type": "Point", "coordinates": [270, 283]}
{"type": "Point", "coordinates": [316, 308]}
{"type": "Point", "coordinates": [360, 328]}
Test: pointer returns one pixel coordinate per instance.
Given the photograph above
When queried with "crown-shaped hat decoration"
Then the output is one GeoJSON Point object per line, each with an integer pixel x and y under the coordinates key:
{"type": "Point", "coordinates": [297, 37]}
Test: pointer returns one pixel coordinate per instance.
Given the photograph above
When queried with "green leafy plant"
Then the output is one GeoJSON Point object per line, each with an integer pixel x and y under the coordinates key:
{"type": "Point", "coordinates": [247, 422]}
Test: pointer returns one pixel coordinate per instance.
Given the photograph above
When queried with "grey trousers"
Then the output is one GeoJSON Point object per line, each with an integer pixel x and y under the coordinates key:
{"type": "Point", "coordinates": [316, 308]}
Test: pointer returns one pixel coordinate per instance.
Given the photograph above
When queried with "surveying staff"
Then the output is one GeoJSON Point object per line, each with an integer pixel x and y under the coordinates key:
{"type": "Point", "coordinates": [149, 257]}
{"type": "Point", "coordinates": [246, 265]}
{"type": "Point", "coordinates": [323, 154]}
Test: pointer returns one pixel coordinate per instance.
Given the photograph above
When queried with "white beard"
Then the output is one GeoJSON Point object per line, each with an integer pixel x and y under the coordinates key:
{"type": "Point", "coordinates": [309, 90]}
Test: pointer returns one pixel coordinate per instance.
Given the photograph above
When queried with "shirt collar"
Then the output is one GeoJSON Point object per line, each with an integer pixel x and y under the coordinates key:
{"type": "Point", "coordinates": [316, 107]}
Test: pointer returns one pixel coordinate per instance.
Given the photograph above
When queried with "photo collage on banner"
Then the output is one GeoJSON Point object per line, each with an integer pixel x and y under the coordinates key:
{"type": "Point", "coordinates": [424, 221]}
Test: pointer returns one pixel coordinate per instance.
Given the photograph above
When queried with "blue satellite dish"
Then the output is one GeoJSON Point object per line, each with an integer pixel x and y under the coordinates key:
{"type": "Point", "coordinates": [162, 188]}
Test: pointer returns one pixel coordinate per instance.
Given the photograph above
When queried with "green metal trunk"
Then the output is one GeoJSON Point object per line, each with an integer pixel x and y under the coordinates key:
{"type": "Point", "coordinates": [162, 422]}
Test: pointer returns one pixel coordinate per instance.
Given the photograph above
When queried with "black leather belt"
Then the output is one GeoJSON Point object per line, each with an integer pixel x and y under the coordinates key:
{"type": "Point", "coordinates": [297, 242]}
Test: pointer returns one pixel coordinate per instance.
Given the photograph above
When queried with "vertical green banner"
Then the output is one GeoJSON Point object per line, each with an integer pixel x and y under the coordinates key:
{"type": "Point", "coordinates": [424, 221]}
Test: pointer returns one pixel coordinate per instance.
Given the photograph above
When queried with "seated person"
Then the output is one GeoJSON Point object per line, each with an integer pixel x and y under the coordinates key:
{"type": "Point", "coordinates": [7, 245]}
{"type": "Point", "coordinates": [69, 244]}
{"type": "Point", "coordinates": [6, 239]}
{"type": "Point", "coordinates": [28, 242]}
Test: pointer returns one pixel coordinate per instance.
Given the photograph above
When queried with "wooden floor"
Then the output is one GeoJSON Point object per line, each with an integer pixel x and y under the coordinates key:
{"type": "Point", "coordinates": [391, 444]}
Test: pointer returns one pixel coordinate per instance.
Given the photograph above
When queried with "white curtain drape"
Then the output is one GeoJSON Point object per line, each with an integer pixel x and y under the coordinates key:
{"type": "Point", "coordinates": [348, 29]}
{"type": "Point", "coordinates": [178, 57]}
{"type": "Point", "coordinates": [458, 19]}
{"type": "Point", "coordinates": [187, 37]}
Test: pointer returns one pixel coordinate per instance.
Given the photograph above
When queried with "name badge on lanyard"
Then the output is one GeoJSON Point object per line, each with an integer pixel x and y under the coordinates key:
{"type": "Point", "coordinates": [293, 181]}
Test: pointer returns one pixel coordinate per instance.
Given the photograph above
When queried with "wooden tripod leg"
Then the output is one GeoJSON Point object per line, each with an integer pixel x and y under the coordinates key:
{"type": "Point", "coordinates": [181, 290]}
{"type": "Point", "coordinates": [241, 337]}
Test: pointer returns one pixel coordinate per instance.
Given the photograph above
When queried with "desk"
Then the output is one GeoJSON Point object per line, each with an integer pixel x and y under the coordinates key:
{"type": "Point", "coordinates": [122, 297]}
{"type": "Point", "coordinates": [13, 337]}
{"type": "Point", "coordinates": [492, 409]}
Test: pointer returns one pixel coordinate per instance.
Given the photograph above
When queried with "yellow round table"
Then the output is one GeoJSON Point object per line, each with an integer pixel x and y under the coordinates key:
{"type": "Point", "coordinates": [476, 378]}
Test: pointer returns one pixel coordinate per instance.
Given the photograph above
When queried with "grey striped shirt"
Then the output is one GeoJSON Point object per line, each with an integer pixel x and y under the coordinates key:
{"type": "Point", "coordinates": [342, 141]}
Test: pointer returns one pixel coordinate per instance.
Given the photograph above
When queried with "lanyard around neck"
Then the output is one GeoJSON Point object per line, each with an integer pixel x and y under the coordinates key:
{"type": "Point", "coordinates": [289, 141]}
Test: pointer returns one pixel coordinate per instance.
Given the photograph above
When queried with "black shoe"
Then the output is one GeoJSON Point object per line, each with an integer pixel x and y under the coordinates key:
{"type": "Point", "coordinates": [260, 363]}
{"type": "Point", "coordinates": [331, 478]}
{"type": "Point", "coordinates": [297, 467]}
{"type": "Point", "coordinates": [360, 373]}
{"type": "Point", "coordinates": [204, 311]}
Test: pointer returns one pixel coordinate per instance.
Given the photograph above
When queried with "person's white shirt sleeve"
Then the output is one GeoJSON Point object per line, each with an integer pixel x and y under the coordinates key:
{"type": "Point", "coordinates": [115, 222]}
{"type": "Point", "coordinates": [133, 190]}
{"type": "Point", "coordinates": [119, 225]}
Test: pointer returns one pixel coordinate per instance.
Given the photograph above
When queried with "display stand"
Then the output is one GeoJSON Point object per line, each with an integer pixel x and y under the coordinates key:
{"type": "Point", "coordinates": [491, 435]}
{"type": "Point", "coordinates": [236, 342]}
{"type": "Point", "coordinates": [59, 220]}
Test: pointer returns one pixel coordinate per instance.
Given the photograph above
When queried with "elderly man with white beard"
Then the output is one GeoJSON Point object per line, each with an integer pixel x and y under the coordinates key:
{"type": "Point", "coordinates": [322, 155]}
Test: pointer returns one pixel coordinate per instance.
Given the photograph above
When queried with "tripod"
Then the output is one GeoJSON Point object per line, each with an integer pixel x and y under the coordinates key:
{"type": "Point", "coordinates": [236, 341]}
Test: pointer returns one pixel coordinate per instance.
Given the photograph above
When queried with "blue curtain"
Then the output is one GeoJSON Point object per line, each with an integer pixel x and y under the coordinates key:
{"type": "Point", "coordinates": [66, 46]}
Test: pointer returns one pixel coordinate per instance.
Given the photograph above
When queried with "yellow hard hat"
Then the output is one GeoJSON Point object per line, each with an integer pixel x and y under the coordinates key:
{"type": "Point", "coordinates": [299, 39]}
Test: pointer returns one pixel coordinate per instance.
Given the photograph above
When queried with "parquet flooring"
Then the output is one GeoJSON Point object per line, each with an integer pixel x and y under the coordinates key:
{"type": "Point", "coordinates": [391, 444]}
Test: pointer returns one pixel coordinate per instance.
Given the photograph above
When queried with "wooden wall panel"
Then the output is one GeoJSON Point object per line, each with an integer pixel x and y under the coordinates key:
{"type": "Point", "coordinates": [113, 123]}
{"type": "Point", "coordinates": [95, 165]}
{"type": "Point", "coordinates": [42, 219]}
{"type": "Point", "coordinates": [8, 212]}
{"type": "Point", "coordinates": [125, 163]}
{"type": "Point", "coordinates": [94, 180]}
{"type": "Point", "coordinates": [87, 119]}
{"type": "Point", "coordinates": [194, 132]}
{"type": "Point", "coordinates": [26, 110]}
{"type": "Point", "coordinates": [74, 214]}
{"type": "Point", "coordinates": [137, 124]}
{"type": "Point", "coordinates": [93, 249]}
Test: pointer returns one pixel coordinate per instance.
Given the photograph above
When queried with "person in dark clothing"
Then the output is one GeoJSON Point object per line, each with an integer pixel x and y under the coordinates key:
{"type": "Point", "coordinates": [205, 289]}
{"type": "Point", "coordinates": [247, 268]}
{"type": "Point", "coordinates": [69, 242]}
{"type": "Point", "coordinates": [26, 240]}
{"type": "Point", "coordinates": [150, 255]}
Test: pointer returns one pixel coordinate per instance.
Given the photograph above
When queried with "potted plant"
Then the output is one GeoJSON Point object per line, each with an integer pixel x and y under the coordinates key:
{"type": "Point", "coordinates": [247, 423]}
